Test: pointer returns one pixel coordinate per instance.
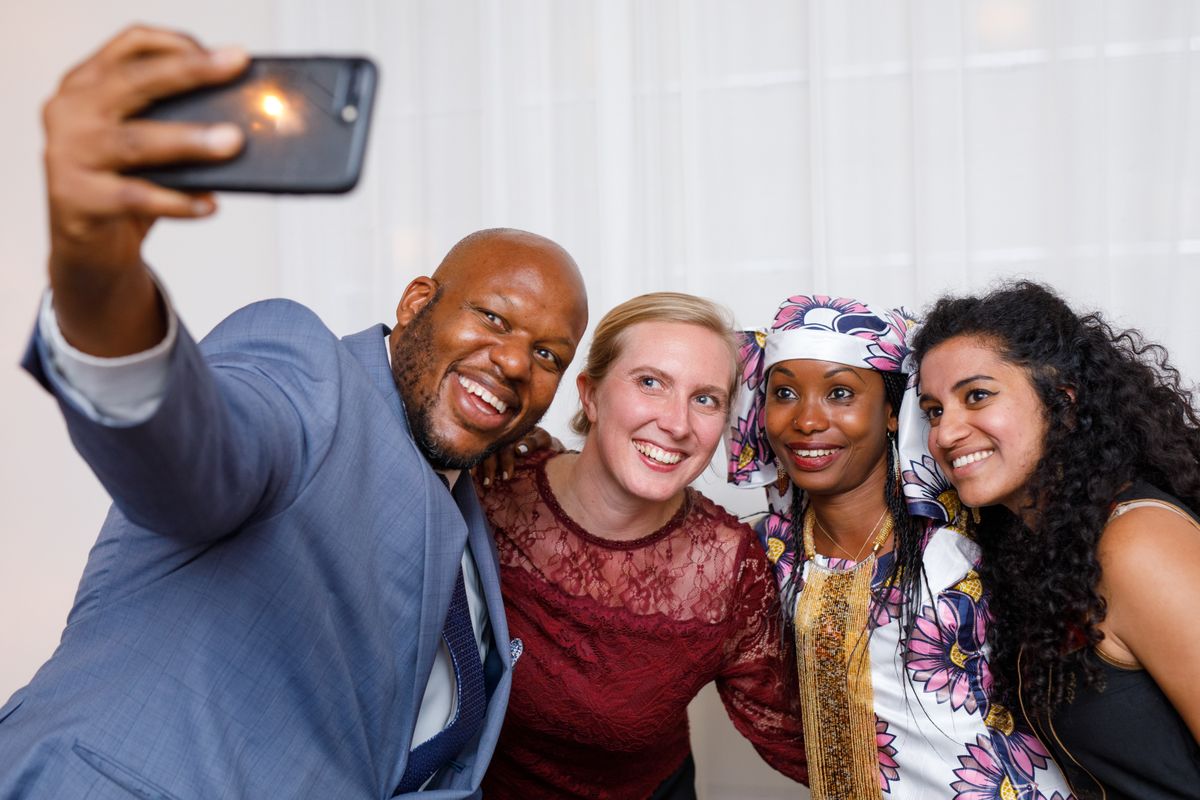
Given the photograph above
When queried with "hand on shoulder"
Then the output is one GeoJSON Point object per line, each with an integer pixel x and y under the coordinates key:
{"type": "Point", "coordinates": [501, 464]}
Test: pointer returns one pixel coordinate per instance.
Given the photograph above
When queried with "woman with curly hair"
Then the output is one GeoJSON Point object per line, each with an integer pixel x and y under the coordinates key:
{"type": "Point", "coordinates": [1080, 450]}
{"type": "Point", "coordinates": [878, 582]}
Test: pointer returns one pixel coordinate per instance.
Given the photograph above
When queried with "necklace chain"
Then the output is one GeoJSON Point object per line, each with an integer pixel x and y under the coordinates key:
{"type": "Point", "coordinates": [876, 542]}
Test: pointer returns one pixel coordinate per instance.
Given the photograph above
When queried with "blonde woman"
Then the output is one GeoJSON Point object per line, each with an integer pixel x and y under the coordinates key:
{"type": "Point", "coordinates": [629, 591]}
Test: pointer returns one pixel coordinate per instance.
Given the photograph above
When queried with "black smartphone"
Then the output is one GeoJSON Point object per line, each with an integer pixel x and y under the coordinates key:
{"type": "Point", "coordinates": [305, 120]}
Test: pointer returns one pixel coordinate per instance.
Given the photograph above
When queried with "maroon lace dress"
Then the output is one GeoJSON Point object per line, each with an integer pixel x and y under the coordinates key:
{"type": "Point", "coordinates": [620, 636]}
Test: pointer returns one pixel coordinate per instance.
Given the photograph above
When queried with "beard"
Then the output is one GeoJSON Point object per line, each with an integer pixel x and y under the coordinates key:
{"type": "Point", "coordinates": [414, 368]}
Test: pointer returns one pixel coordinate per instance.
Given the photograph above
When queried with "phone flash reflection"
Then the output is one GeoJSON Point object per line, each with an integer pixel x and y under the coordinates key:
{"type": "Point", "coordinates": [273, 106]}
{"type": "Point", "coordinates": [278, 114]}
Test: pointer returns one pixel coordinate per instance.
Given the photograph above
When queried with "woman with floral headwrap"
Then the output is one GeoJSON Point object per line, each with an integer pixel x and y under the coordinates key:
{"type": "Point", "coordinates": [878, 582]}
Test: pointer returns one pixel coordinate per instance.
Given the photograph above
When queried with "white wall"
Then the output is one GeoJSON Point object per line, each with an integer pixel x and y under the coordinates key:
{"type": "Point", "coordinates": [52, 504]}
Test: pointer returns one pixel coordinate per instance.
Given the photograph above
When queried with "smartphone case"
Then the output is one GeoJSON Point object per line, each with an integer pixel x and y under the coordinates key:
{"type": "Point", "coordinates": [305, 119]}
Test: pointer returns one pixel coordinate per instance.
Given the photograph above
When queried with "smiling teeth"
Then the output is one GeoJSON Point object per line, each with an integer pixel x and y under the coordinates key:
{"type": "Point", "coordinates": [813, 453]}
{"type": "Point", "coordinates": [483, 394]}
{"type": "Point", "coordinates": [657, 453]}
{"type": "Point", "coordinates": [970, 458]}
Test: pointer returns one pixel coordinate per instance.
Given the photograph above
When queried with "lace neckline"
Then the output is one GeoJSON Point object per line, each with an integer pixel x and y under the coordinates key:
{"type": "Point", "coordinates": [671, 525]}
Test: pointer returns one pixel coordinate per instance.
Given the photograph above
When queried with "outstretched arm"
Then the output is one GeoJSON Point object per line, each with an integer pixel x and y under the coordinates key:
{"type": "Point", "coordinates": [222, 442]}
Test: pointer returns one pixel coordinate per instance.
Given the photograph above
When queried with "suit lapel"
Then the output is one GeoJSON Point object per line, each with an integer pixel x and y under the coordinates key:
{"type": "Point", "coordinates": [445, 532]}
{"type": "Point", "coordinates": [369, 349]}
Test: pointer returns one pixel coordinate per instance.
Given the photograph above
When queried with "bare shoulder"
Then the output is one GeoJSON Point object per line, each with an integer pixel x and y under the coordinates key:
{"type": "Point", "coordinates": [1150, 561]}
{"type": "Point", "coordinates": [1150, 578]}
{"type": "Point", "coordinates": [1148, 539]}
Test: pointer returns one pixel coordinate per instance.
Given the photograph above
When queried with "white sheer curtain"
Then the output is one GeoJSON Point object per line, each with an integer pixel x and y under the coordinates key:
{"type": "Point", "coordinates": [755, 149]}
{"type": "Point", "coordinates": [747, 151]}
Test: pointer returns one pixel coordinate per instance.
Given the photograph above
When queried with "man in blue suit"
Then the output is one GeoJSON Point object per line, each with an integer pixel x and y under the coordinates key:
{"type": "Point", "coordinates": [295, 593]}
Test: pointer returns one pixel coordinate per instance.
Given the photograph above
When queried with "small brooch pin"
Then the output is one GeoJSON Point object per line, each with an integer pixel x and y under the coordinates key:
{"type": "Point", "coordinates": [515, 648]}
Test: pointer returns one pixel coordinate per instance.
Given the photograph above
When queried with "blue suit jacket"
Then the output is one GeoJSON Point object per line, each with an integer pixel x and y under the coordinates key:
{"type": "Point", "coordinates": [260, 613]}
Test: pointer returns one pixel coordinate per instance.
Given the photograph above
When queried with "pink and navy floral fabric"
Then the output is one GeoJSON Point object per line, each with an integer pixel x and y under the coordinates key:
{"type": "Point", "coordinates": [938, 732]}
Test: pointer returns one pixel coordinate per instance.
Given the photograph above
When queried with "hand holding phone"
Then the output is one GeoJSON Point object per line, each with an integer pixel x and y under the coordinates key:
{"type": "Point", "coordinates": [99, 145]}
{"type": "Point", "coordinates": [305, 121]}
{"type": "Point", "coordinates": [106, 300]}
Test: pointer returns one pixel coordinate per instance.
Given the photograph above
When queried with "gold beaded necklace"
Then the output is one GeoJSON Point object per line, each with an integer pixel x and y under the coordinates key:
{"type": "Point", "coordinates": [834, 670]}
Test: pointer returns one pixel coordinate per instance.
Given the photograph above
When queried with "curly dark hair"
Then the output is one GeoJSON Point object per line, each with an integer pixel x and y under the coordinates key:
{"type": "Point", "coordinates": [907, 566]}
{"type": "Point", "coordinates": [1116, 412]}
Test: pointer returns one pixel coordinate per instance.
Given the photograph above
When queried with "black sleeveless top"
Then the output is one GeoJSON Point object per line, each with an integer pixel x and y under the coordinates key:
{"type": "Point", "coordinates": [1125, 732]}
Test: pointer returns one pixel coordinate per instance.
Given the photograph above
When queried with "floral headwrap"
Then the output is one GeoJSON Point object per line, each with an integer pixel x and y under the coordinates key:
{"type": "Point", "coordinates": [842, 331]}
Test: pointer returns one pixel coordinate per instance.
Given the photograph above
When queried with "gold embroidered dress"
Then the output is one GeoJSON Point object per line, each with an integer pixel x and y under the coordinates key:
{"type": "Point", "coordinates": [932, 728]}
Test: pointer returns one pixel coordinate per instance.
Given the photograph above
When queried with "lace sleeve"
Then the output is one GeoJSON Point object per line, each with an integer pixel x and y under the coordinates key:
{"type": "Point", "coordinates": [757, 682]}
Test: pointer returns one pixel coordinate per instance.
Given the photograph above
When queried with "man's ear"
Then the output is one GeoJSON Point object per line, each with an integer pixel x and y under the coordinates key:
{"type": "Point", "coordinates": [587, 396]}
{"type": "Point", "coordinates": [416, 296]}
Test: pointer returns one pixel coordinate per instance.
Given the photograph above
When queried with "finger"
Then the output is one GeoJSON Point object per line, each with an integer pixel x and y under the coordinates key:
{"type": "Point", "coordinates": [99, 195]}
{"type": "Point", "coordinates": [135, 83]}
{"type": "Point", "coordinates": [486, 470]}
{"type": "Point", "coordinates": [536, 439]}
{"type": "Point", "coordinates": [139, 40]}
{"type": "Point", "coordinates": [134, 41]}
{"type": "Point", "coordinates": [140, 143]}
{"type": "Point", "coordinates": [148, 199]}
{"type": "Point", "coordinates": [505, 459]}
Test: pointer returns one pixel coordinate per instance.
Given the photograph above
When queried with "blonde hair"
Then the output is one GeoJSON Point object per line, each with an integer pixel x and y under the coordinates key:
{"type": "Point", "coordinates": [608, 341]}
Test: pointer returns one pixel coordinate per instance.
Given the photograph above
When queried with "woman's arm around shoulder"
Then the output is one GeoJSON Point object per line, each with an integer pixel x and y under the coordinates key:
{"type": "Point", "coordinates": [757, 683]}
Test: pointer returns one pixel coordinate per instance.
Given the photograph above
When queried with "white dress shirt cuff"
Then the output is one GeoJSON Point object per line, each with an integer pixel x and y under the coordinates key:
{"type": "Point", "coordinates": [121, 391]}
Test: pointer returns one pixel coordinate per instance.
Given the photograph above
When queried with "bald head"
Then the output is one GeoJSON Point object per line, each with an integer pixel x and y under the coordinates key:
{"type": "Point", "coordinates": [511, 250]}
{"type": "Point", "coordinates": [480, 347]}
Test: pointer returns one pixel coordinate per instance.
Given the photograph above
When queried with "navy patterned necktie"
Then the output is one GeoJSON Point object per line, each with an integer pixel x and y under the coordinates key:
{"type": "Point", "coordinates": [439, 751]}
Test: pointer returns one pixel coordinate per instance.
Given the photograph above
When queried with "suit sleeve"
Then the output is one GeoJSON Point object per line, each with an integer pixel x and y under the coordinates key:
{"type": "Point", "coordinates": [757, 683]}
{"type": "Point", "coordinates": [114, 391]}
{"type": "Point", "coordinates": [239, 425]}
